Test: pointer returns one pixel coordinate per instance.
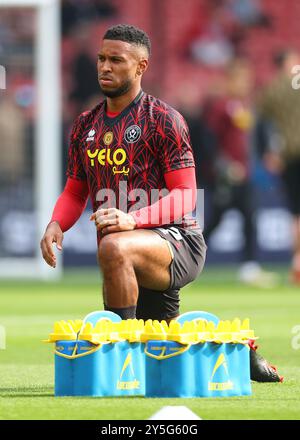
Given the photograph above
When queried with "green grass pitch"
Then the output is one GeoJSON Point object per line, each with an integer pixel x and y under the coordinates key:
{"type": "Point", "coordinates": [29, 309]}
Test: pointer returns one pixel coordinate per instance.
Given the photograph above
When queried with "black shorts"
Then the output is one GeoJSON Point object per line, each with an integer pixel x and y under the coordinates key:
{"type": "Point", "coordinates": [189, 251]}
{"type": "Point", "coordinates": [291, 178]}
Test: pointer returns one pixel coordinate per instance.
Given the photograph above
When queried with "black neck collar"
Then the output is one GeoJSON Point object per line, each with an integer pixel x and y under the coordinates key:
{"type": "Point", "coordinates": [109, 121]}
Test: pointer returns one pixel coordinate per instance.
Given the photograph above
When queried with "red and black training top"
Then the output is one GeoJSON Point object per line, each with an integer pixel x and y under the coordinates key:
{"type": "Point", "coordinates": [131, 151]}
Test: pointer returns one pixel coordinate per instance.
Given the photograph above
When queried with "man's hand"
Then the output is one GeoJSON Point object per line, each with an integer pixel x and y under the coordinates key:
{"type": "Point", "coordinates": [53, 234]}
{"type": "Point", "coordinates": [112, 220]}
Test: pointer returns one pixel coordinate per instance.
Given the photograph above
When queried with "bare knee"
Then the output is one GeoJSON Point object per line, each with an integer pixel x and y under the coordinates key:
{"type": "Point", "coordinates": [111, 251]}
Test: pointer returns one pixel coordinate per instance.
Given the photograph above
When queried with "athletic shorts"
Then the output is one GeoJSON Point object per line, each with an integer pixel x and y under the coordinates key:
{"type": "Point", "coordinates": [189, 250]}
{"type": "Point", "coordinates": [291, 178]}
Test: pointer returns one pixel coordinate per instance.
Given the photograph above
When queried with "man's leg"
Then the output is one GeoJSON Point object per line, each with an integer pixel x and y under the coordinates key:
{"type": "Point", "coordinates": [243, 201]}
{"type": "Point", "coordinates": [217, 211]}
{"type": "Point", "coordinates": [131, 259]}
{"type": "Point", "coordinates": [159, 305]}
{"type": "Point", "coordinates": [222, 199]}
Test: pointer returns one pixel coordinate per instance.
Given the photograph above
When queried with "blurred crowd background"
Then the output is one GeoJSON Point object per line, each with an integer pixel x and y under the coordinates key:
{"type": "Point", "coordinates": [224, 64]}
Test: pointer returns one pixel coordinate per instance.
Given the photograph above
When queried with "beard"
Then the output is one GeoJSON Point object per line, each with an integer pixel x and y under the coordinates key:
{"type": "Point", "coordinates": [124, 88]}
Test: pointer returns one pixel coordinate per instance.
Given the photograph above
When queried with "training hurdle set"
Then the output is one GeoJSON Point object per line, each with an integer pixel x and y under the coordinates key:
{"type": "Point", "coordinates": [196, 355]}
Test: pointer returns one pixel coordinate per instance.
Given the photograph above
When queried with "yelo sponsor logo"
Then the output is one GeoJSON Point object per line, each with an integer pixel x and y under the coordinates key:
{"type": "Point", "coordinates": [104, 155]}
{"type": "Point", "coordinates": [131, 384]}
{"type": "Point", "coordinates": [220, 386]}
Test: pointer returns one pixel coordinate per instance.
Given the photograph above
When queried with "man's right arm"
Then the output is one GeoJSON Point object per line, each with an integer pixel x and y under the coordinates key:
{"type": "Point", "coordinates": [69, 207]}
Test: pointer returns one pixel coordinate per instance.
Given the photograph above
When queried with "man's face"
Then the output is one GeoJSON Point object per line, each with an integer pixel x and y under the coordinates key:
{"type": "Point", "coordinates": [120, 65]}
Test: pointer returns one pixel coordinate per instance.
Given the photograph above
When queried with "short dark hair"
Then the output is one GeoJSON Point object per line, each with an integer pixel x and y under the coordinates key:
{"type": "Point", "coordinates": [130, 34]}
